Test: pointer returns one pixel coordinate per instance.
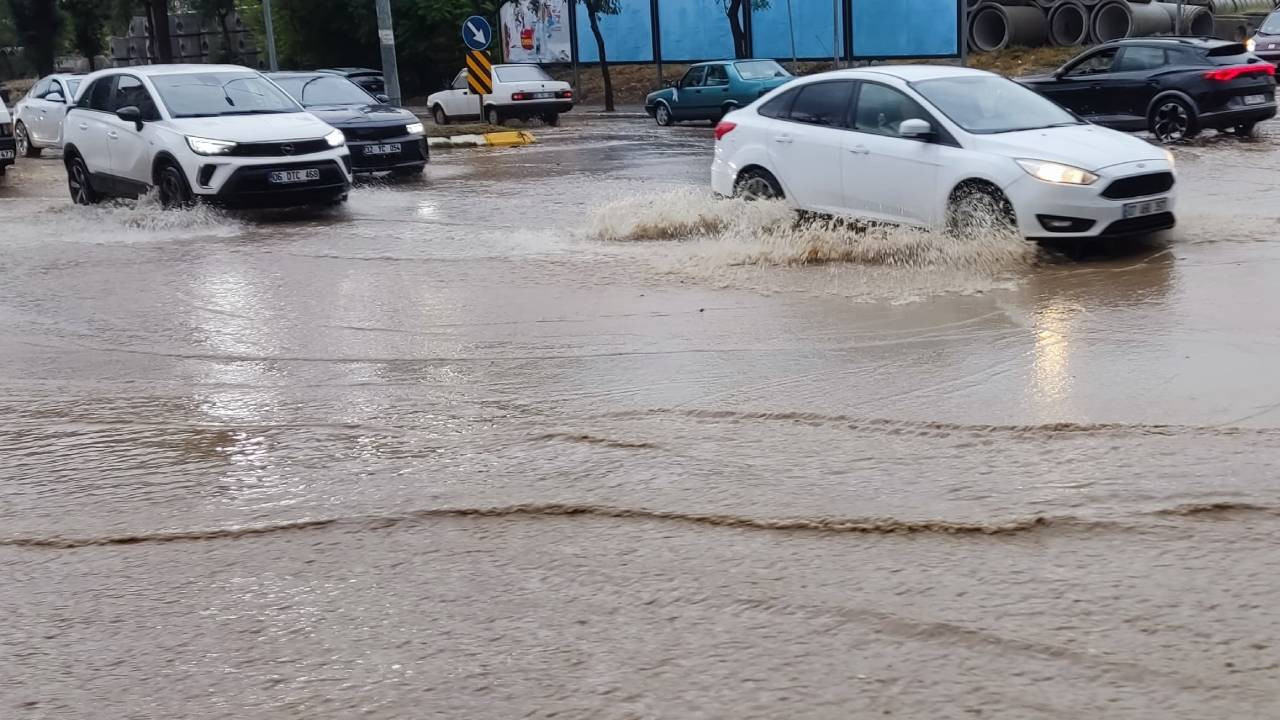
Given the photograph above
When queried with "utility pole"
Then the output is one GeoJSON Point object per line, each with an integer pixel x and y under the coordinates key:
{"type": "Point", "coordinates": [387, 39]}
{"type": "Point", "coordinates": [1177, 30]}
{"type": "Point", "coordinates": [267, 22]}
{"type": "Point", "coordinates": [835, 33]}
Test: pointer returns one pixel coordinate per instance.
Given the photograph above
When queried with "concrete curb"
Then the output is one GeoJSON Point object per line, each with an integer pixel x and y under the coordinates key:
{"type": "Point", "coordinates": [495, 139]}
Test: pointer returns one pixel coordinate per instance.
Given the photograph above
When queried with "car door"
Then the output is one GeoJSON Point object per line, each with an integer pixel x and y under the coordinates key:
{"type": "Point", "coordinates": [53, 112]}
{"type": "Point", "coordinates": [130, 151]}
{"type": "Point", "coordinates": [1131, 85]}
{"type": "Point", "coordinates": [89, 117]}
{"type": "Point", "coordinates": [461, 103]}
{"type": "Point", "coordinates": [684, 102]}
{"type": "Point", "coordinates": [715, 92]}
{"type": "Point", "coordinates": [886, 176]}
{"type": "Point", "coordinates": [35, 109]}
{"type": "Point", "coordinates": [1080, 87]}
{"type": "Point", "coordinates": [805, 146]}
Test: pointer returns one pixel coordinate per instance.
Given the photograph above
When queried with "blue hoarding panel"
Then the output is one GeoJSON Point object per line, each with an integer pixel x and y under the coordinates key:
{"type": "Point", "coordinates": [815, 33]}
{"type": "Point", "coordinates": [905, 28]}
{"type": "Point", "coordinates": [628, 36]}
{"type": "Point", "coordinates": [694, 30]}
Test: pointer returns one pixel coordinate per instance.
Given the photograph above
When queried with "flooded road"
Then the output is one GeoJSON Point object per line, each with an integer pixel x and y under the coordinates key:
{"type": "Point", "coordinates": [554, 434]}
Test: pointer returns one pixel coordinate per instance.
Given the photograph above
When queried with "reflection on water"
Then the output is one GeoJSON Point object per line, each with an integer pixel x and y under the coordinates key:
{"type": "Point", "coordinates": [1051, 367]}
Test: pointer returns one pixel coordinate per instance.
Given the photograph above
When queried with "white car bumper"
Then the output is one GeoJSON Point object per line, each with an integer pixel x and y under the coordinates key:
{"type": "Point", "coordinates": [722, 175]}
{"type": "Point", "coordinates": [253, 181]}
{"type": "Point", "coordinates": [1051, 210]}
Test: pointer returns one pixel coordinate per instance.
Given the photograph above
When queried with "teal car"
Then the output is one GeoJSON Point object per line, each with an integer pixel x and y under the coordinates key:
{"type": "Point", "coordinates": [710, 90]}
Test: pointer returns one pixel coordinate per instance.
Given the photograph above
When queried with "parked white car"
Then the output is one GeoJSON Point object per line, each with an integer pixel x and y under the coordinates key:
{"type": "Point", "coordinates": [943, 147]}
{"type": "Point", "coordinates": [38, 115]}
{"type": "Point", "coordinates": [217, 132]}
{"type": "Point", "coordinates": [519, 91]}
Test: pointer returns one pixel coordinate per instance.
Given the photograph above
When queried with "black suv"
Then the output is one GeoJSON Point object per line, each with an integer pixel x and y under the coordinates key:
{"type": "Point", "coordinates": [1173, 86]}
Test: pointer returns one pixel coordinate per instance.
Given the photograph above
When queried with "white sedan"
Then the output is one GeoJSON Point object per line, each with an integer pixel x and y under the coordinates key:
{"type": "Point", "coordinates": [519, 91]}
{"type": "Point", "coordinates": [946, 148]}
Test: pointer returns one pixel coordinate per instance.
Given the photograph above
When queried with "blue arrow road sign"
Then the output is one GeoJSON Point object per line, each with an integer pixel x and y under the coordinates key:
{"type": "Point", "coordinates": [477, 33]}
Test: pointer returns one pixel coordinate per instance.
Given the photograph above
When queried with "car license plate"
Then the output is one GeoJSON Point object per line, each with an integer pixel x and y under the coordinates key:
{"type": "Point", "coordinates": [390, 149]}
{"type": "Point", "coordinates": [285, 177]}
{"type": "Point", "coordinates": [6, 154]}
{"type": "Point", "coordinates": [1146, 207]}
{"type": "Point", "coordinates": [1254, 99]}
{"type": "Point", "coordinates": [542, 95]}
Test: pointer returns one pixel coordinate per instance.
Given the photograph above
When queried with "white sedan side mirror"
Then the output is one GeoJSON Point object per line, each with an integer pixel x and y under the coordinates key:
{"type": "Point", "coordinates": [916, 129]}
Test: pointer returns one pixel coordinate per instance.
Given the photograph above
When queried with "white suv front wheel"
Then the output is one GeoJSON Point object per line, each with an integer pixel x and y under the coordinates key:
{"type": "Point", "coordinates": [175, 193]}
{"type": "Point", "coordinates": [82, 192]}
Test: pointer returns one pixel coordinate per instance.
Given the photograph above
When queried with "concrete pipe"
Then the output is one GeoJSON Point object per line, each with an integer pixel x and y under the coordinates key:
{"type": "Point", "coordinates": [1115, 19]}
{"type": "Point", "coordinates": [1069, 23]}
{"type": "Point", "coordinates": [1196, 19]}
{"type": "Point", "coordinates": [1239, 7]}
{"type": "Point", "coordinates": [995, 27]}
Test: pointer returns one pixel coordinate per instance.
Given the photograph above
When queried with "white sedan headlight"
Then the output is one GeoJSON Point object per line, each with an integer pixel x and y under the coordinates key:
{"type": "Point", "coordinates": [1169, 156]}
{"type": "Point", "coordinates": [335, 139]}
{"type": "Point", "coordinates": [1250, 44]}
{"type": "Point", "coordinates": [415, 129]}
{"type": "Point", "coordinates": [205, 146]}
{"type": "Point", "coordinates": [1052, 172]}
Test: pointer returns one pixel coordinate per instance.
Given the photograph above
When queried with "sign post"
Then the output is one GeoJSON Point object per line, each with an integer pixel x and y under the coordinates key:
{"type": "Point", "coordinates": [477, 34]}
{"type": "Point", "coordinates": [387, 40]}
{"type": "Point", "coordinates": [269, 28]}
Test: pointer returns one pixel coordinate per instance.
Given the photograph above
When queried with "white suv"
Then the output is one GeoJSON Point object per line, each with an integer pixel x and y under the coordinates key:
{"type": "Point", "coordinates": [519, 91]}
{"type": "Point", "coordinates": [215, 132]}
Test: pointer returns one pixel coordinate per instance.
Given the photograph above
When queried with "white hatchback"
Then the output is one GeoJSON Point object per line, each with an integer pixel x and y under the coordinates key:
{"type": "Point", "coordinates": [217, 132]}
{"type": "Point", "coordinates": [944, 148]}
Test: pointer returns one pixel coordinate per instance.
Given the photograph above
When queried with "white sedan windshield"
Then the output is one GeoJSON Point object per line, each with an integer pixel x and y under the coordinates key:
{"type": "Point", "coordinates": [989, 104]}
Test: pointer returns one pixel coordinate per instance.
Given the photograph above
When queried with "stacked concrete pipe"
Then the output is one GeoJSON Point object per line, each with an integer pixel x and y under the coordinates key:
{"type": "Point", "coordinates": [994, 27]}
{"type": "Point", "coordinates": [1115, 19]}
{"type": "Point", "coordinates": [1196, 19]}
{"type": "Point", "coordinates": [1069, 23]}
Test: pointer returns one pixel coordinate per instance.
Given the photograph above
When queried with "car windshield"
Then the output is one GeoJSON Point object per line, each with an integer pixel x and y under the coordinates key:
{"type": "Point", "coordinates": [761, 70]}
{"type": "Point", "coordinates": [986, 104]}
{"type": "Point", "coordinates": [1272, 25]}
{"type": "Point", "coordinates": [213, 94]}
{"type": "Point", "coordinates": [521, 73]}
{"type": "Point", "coordinates": [72, 86]}
{"type": "Point", "coordinates": [324, 90]}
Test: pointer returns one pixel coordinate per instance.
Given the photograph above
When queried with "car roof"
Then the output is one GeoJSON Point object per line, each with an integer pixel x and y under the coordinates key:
{"type": "Point", "coordinates": [297, 73]}
{"type": "Point", "coordinates": [352, 71]}
{"type": "Point", "coordinates": [907, 73]}
{"type": "Point", "coordinates": [1175, 41]}
{"type": "Point", "coordinates": [154, 70]}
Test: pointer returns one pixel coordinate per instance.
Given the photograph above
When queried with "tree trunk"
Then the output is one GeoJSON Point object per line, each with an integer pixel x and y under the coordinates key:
{"type": "Point", "coordinates": [160, 30]}
{"type": "Point", "coordinates": [228, 55]}
{"type": "Point", "coordinates": [604, 64]}
{"type": "Point", "coordinates": [734, 12]}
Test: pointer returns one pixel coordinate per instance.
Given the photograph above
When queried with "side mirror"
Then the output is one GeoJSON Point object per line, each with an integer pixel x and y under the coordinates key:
{"type": "Point", "coordinates": [382, 99]}
{"type": "Point", "coordinates": [55, 97]}
{"type": "Point", "coordinates": [916, 129]}
{"type": "Point", "coordinates": [131, 113]}
{"type": "Point", "coordinates": [1059, 73]}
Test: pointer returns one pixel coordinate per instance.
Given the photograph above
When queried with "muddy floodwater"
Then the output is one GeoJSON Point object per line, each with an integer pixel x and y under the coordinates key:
{"type": "Point", "coordinates": [553, 433]}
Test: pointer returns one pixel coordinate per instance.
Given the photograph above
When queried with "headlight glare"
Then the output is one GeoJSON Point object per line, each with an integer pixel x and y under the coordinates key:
{"type": "Point", "coordinates": [335, 139]}
{"type": "Point", "coordinates": [1052, 172]}
{"type": "Point", "coordinates": [1169, 156]}
{"type": "Point", "coordinates": [415, 129]}
{"type": "Point", "coordinates": [205, 146]}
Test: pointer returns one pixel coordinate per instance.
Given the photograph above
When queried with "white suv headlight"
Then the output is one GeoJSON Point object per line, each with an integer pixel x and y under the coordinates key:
{"type": "Point", "coordinates": [205, 146]}
{"type": "Point", "coordinates": [335, 139]}
{"type": "Point", "coordinates": [1052, 172]}
{"type": "Point", "coordinates": [415, 129]}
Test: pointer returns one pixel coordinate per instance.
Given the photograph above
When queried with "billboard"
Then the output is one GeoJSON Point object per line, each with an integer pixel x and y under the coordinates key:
{"type": "Point", "coordinates": [536, 31]}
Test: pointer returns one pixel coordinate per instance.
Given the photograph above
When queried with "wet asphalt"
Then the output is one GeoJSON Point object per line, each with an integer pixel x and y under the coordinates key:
{"type": "Point", "coordinates": [553, 433]}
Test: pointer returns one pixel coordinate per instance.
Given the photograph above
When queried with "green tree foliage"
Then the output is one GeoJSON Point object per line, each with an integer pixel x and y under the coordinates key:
{"type": "Point", "coordinates": [38, 24]}
{"type": "Point", "coordinates": [596, 8]}
{"type": "Point", "coordinates": [88, 21]}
